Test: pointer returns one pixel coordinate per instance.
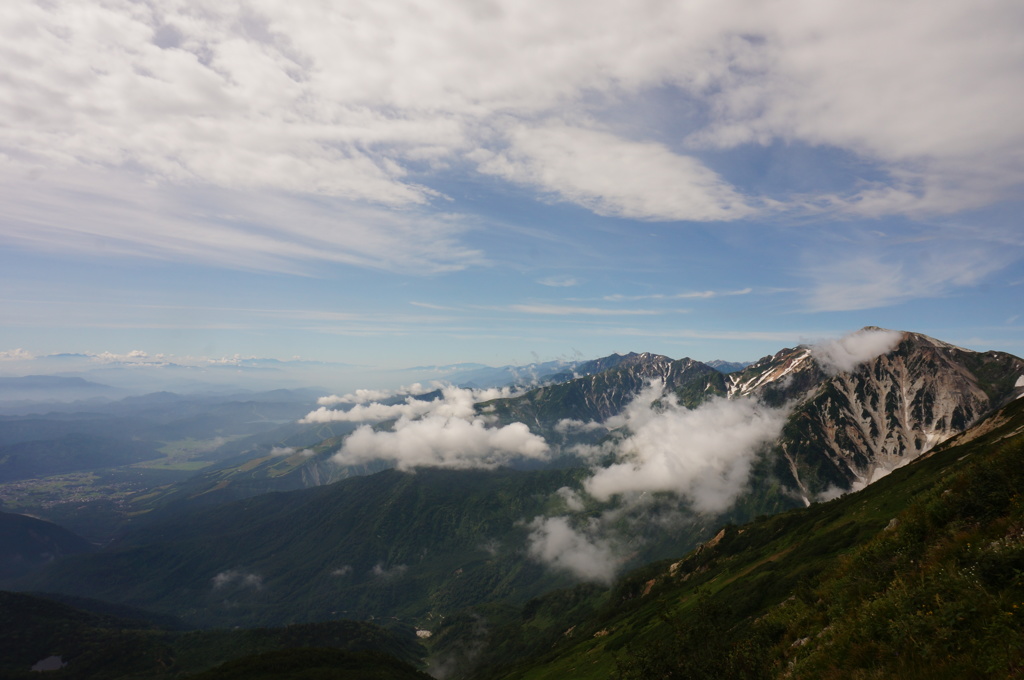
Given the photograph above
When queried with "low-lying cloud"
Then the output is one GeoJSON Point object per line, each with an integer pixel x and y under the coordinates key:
{"type": "Point", "coordinates": [388, 573]}
{"type": "Point", "coordinates": [238, 578]}
{"type": "Point", "coordinates": [446, 431]}
{"type": "Point", "coordinates": [571, 425]}
{"type": "Point", "coordinates": [441, 441]}
{"type": "Point", "coordinates": [584, 552]}
{"type": "Point", "coordinates": [453, 402]}
{"type": "Point", "coordinates": [284, 451]}
{"type": "Point", "coordinates": [363, 396]}
{"type": "Point", "coordinates": [704, 456]}
{"type": "Point", "coordinates": [846, 353]}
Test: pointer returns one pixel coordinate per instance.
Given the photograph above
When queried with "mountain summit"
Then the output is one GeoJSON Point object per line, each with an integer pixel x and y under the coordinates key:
{"type": "Point", "coordinates": [855, 421]}
{"type": "Point", "coordinates": [858, 407]}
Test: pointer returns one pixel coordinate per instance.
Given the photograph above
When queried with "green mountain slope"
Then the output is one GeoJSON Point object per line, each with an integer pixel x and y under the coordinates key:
{"type": "Point", "coordinates": [299, 461]}
{"type": "Point", "coordinates": [314, 664]}
{"type": "Point", "coordinates": [27, 543]}
{"type": "Point", "coordinates": [390, 544]}
{"type": "Point", "coordinates": [100, 646]}
{"type": "Point", "coordinates": [917, 576]}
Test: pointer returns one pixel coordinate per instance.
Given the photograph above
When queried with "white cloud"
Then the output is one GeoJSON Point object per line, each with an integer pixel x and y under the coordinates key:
{"type": "Point", "coordinates": [261, 135]}
{"type": "Point", "coordinates": [704, 455]}
{"type": "Point", "coordinates": [571, 499]}
{"type": "Point", "coordinates": [926, 90]}
{"type": "Point", "coordinates": [18, 354]}
{"type": "Point", "coordinates": [360, 396]}
{"type": "Point", "coordinates": [704, 294]}
{"type": "Point", "coordinates": [583, 552]}
{"type": "Point", "coordinates": [616, 177]}
{"type": "Point", "coordinates": [135, 356]}
{"type": "Point", "coordinates": [443, 432]}
{"type": "Point", "coordinates": [846, 353]}
{"type": "Point", "coordinates": [242, 579]}
{"type": "Point", "coordinates": [453, 402]}
{"type": "Point", "coordinates": [389, 573]}
{"type": "Point", "coordinates": [558, 281]}
{"type": "Point", "coordinates": [282, 451]}
{"type": "Point", "coordinates": [868, 281]}
{"type": "Point", "coordinates": [563, 310]}
{"type": "Point", "coordinates": [568, 425]}
{"type": "Point", "coordinates": [438, 441]}
{"type": "Point", "coordinates": [113, 212]}
{"type": "Point", "coordinates": [363, 396]}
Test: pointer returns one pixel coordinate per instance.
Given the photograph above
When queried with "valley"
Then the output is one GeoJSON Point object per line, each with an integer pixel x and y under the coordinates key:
{"type": "Point", "coordinates": [606, 521]}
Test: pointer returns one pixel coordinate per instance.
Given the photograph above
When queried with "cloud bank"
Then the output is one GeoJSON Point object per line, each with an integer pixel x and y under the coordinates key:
{"type": "Point", "coordinates": [443, 432]}
{"type": "Point", "coordinates": [362, 396]}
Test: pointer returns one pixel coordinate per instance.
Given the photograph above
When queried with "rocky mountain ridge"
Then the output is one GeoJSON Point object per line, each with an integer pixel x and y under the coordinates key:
{"type": "Point", "coordinates": [852, 419]}
{"type": "Point", "coordinates": [850, 427]}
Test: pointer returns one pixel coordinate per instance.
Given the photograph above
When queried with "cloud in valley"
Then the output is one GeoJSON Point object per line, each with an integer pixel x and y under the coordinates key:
{"type": "Point", "coordinates": [440, 441]}
{"type": "Point", "coordinates": [571, 425]}
{"type": "Point", "coordinates": [453, 402]}
{"type": "Point", "coordinates": [445, 431]}
{"type": "Point", "coordinates": [704, 456]}
{"type": "Point", "coordinates": [283, 451]}
{"type": "Point", "coordinates": [846, 353]}
{"type": "Point", "coordinates": [587, 552]}
{"type": "Point", "coordinates": [388, 573]}
{"type": "Point", "coordinates": [237, 578]}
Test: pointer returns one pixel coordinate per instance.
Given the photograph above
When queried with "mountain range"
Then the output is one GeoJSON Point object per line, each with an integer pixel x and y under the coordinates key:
{"type": "Point", "coordinates": [617, 469]}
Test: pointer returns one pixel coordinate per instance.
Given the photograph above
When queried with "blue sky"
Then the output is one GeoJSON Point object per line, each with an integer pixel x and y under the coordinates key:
{"type": "Point", "coordinates": [403, 183]}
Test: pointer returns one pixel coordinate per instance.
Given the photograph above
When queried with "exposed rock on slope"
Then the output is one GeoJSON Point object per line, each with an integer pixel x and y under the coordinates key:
{"type": "Point", "coordinates": [852, 420]}
{"type": "Point", "coordinates": [853, 427]}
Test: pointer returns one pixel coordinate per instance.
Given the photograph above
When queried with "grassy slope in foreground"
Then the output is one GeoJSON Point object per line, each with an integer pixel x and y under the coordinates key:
{"type": "Point", "coordinates": [917, 576]}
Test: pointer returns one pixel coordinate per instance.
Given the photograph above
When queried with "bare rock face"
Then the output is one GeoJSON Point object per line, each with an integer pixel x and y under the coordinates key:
{"type": "Point", "coordinates": [850, 427]}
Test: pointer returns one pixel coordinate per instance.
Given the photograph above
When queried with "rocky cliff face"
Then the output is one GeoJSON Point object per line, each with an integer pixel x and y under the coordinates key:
{"type": "Point", "coordinates": [851, 427]}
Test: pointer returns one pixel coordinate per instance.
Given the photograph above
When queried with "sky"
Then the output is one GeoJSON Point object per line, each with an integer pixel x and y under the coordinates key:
{"type": "Point", "coordinates": [393, 184]}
